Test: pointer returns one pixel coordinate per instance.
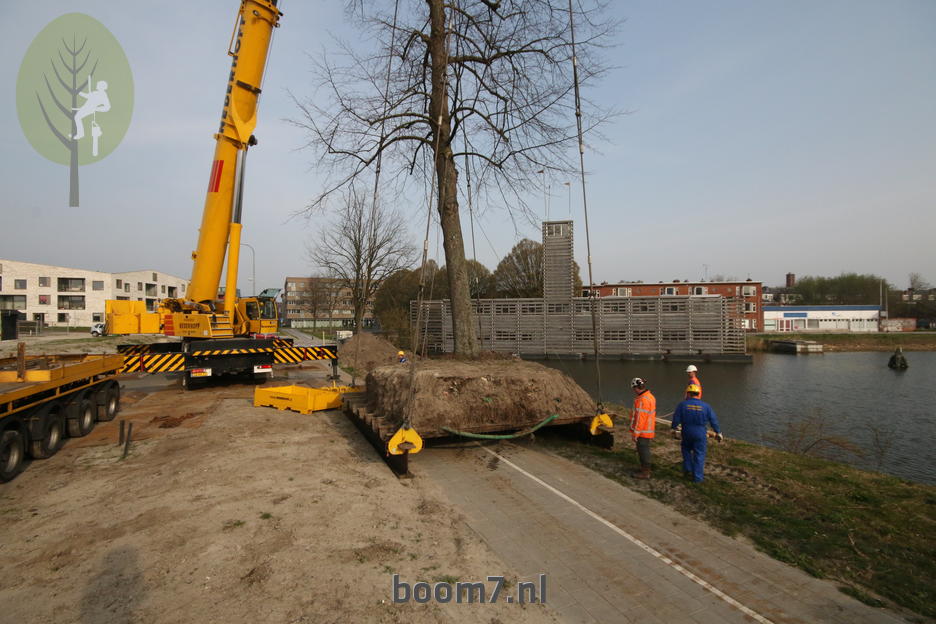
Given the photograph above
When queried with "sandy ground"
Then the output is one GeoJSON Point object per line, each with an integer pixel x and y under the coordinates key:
{"type": "Point", "coordinates": [231, 514]}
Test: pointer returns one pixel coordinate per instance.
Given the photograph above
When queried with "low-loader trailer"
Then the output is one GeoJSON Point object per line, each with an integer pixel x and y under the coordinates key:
{"type": "Point", "coordinates": [46, 398]}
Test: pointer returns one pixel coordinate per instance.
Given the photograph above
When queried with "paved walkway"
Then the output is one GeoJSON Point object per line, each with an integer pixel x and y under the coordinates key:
{"type": "Point", "coordinates": [613, 555]}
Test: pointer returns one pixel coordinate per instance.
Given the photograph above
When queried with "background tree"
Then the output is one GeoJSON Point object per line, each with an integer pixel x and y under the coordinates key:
{"type": "Point", "coordinates": [520, 272]}
{"type": "Point", "coordinates": [361, 247]}
{"type": "Point", "coordinates": [320, 296]}
{"type": "Point", "coordinates": [480, 282]}
{"type": "Point", "coordinates": [486, 86]}
{"type": "Point", "coordinates": [845, 289]}
{"type": "Point", "coordinates": [392, 303]}
{"type": "Point", "coordinates": [917, 283]}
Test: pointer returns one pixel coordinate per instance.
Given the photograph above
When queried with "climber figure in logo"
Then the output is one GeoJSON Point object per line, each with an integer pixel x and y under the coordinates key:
{"type": "Point", "coordinates": [95, 102]}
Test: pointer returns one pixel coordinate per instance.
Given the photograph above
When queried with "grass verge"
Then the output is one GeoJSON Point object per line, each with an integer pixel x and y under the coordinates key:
{"type": "Point", "coordinates": [870, 532]}
{"type": "Point", "coordinates": [909, 341]}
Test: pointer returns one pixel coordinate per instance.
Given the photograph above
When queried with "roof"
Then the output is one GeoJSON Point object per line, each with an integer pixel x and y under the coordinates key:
{"type": "Point", "coordinates": [820, 308]}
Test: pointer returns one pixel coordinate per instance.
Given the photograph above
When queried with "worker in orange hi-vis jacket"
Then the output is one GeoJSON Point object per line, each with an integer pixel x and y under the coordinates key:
{"type": "Point", "coordinates": [691, 370]}
{"type": "Point", "coordinates": [643, 424]}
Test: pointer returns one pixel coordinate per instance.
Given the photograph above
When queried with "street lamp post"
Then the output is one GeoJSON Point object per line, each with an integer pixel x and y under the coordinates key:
{"type": "Point", "coordinates": [569, 185]}
{"type": "Point", "coordinates": [545, 192]}
{"type": "Point", "coordinates": [253, 267]}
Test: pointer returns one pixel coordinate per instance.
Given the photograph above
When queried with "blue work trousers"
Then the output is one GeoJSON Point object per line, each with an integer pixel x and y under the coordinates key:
{"type": "Point", "coordinates": [694, 444]}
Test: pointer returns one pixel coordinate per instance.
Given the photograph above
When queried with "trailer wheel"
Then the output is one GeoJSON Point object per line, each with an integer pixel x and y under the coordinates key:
{"type": "Point", "coordinates": [109, 403]}
{"type": "Point", "coordinates": [11, 454]}
{"type": "Point", "coordinates": [51, 436]}
{"type": "Point", "coordinates": [83, 419]}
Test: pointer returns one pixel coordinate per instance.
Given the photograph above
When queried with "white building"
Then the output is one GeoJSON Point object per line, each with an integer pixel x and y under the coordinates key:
{"type": "Point", "coordinates": [63, 296]}
{"type": "Point", "coordinates": [822, 318]}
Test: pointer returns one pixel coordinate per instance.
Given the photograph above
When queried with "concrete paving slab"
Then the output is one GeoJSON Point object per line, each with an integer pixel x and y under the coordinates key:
{"type": "Point", "coordinates": [614, 555]}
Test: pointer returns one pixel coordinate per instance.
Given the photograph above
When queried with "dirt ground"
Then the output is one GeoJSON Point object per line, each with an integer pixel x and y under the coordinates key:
{"type": "Point", "coordinates": [74, 342]}
{"type": "Point", "coordinates": [364, 352]}
{"type": "Point", "coordinates": [223, 512]}
{"type": "Point", "coordinates": [465, 395]}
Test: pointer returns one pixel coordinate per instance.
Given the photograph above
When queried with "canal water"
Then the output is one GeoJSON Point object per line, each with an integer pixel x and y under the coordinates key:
{"type": "Point", "coordinates": [890, 416]}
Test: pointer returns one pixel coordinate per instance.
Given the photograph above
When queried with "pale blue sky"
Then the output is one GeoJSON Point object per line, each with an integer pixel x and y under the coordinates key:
{"type": "Point", "coordinates": [763, 138]}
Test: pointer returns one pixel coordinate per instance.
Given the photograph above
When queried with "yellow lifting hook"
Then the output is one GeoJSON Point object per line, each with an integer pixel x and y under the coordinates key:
{"type": "Point", "coordinates": [601, 422]}
{"type": "Point", "coordinates": [405, 439]}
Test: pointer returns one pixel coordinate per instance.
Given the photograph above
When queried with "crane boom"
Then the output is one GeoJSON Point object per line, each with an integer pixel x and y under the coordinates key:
{"type": "Point", "coordinates": [250, 45]}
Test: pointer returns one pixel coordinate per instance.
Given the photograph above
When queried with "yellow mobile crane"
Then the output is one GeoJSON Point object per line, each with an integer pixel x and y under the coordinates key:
{"type": "Point", "coordinates": [226, 335]}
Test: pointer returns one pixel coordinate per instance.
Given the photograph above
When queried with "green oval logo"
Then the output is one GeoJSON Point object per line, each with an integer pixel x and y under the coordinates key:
{"type": "Point", "coordinates": [74, 93]}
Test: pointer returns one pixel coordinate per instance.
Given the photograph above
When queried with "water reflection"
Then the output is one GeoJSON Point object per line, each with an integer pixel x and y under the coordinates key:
{"type": "Point", "coordinates": [890, 415]}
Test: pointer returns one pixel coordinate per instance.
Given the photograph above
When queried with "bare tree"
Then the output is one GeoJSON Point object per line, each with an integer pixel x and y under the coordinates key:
{"type": "Point", "coordinates": [363, 245]}
{"type": "Point", "coordinates": [917, 283]}
{"type": "Point", "coordinates": [320, 296]}
{"type": "Point", "coordinates": [486, 86]}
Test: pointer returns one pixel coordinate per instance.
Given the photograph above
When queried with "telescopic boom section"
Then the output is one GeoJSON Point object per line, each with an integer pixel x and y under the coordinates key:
{"type": "Point", "coordinates": [250, 46]}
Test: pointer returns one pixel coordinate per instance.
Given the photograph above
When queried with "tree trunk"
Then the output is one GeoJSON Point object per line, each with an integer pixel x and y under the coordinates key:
{"type": "Point", "coordinates": [447, 177]}
{"type": "Point", "coordinates": [73, 175]}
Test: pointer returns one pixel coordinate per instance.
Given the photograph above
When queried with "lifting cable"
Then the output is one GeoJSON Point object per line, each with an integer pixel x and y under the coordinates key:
{"type": "Point", "coordinates": [501, 436]}
{"type": "Point", "coordinates": [372, 235]}
{"type": "Point", "coordinates": [581, 149]}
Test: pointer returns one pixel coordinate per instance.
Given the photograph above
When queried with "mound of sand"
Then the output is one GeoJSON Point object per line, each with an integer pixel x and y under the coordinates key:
{"type": "Point", "coordinates": [475, 396]}
{"type": "Point", "coordinates": [364, 352]}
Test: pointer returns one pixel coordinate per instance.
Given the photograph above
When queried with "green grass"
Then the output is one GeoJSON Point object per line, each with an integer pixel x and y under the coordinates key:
{"type": "Point", "coordinates": [860, 341]}
{"type": "Point", "coordinates": [870, 532]}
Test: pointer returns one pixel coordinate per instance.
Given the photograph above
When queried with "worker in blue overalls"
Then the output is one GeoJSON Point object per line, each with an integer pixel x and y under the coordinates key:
{"type": "Point", "coordinates": [692, 417]}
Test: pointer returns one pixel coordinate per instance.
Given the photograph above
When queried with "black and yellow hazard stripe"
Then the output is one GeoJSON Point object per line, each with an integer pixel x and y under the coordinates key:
{"type": "Point", "coordinates": [132, 364]}
{"type": "Point", "coordinates": [282, 343]}
{"type": "Point", "coordinates": [163, 362]}
{"type": "Point", "coordinates": [133, 349]}
{"type": "Point", "coordinates": [320, 353]}
{"type": "Point", "coordinates": [231, 351]}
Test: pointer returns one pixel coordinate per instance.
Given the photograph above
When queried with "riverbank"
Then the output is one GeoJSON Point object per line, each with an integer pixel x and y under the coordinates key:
{"type": "Point", "coordinates": [870, 532]}
{"type": "Point", "coordinates": [909, 341]}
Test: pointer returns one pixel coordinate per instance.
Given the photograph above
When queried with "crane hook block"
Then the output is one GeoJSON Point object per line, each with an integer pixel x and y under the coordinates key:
{"type": "Point", "coordinates": [404, 440]}
{"type": "Point", "coordinates": [600, 423]}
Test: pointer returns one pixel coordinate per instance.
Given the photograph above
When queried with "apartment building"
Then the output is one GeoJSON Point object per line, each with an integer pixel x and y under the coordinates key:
{"type": "Point", "coordinates": [749, 291]}
{"type": "Point", "coordinates": [319, 302]}
{"type": "Point", "coordinates": [66, 296]}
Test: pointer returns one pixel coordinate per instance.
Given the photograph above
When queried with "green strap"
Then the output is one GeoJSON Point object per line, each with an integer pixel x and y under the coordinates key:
{"type": "Point", "coordinates": [504, 436]}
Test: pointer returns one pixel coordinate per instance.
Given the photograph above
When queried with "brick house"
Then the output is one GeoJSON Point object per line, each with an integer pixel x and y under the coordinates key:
{"type": "Point", "coordinates": [749, 291]}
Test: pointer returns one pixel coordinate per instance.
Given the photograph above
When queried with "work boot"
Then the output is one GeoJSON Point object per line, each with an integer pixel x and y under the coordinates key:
{"type": "Point", "coordinates": [643, 473]}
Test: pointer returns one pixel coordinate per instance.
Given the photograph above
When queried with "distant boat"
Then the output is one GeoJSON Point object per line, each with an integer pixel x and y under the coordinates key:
{"type": "Point", "coordinates": [897, 360]}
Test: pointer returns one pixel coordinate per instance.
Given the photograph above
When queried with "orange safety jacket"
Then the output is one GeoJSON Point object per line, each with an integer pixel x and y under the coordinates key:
{"type": "Point", "coordinates": [643, 418]}
{"type": "Point", "coordinates": [695, 380]}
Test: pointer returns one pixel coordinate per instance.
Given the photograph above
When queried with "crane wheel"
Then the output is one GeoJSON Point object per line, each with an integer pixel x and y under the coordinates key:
{"type": "Point", "coordinates": [108, 402]}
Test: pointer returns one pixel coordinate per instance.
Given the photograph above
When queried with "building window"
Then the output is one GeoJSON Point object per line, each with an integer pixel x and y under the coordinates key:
{"type": "Point", "coordinates": [71, 302]}
{"type": "Point", "coordinates": [45, 299]}
{"type": "Point", "coordinates": [749, 291]}
{"type": "Point", "coordinates": [139, 285]}
{"type": "Point", "coordinates": [127, 287]}
{"type": "Point", "coordinates": [45, 282]}
{"type": "Point", "coordinates": [19, 284]}
{"type": "Point", "coordinates": [63, 317]}
{"type": "Point", "coordinates": [12, 302]}
{"type": "Point", "coordinates": [119, 284]}
{"type": "Point", "coordinates": [669, 290]}
{"type": "Point", "coordinates": [97, 317]}
{"type": "Point", "coordinates": [155, 279]}
{"type": "Point", "coordinates": [163, 289]}
{"type": "Point", "coordinates": [622, 292]}
{"type": "Point", "coordinates": [555, 229]}
{"type": "Point", "coordinates": [698, 290]}
{"type": "Point", "coordinates": [150, 290]}
{"type": "Point", "coordinates": [749, 307]}
{"type": "Point", "coordinates": [71, 284]}
{"type": "Point", "coordinates": [97, 285]}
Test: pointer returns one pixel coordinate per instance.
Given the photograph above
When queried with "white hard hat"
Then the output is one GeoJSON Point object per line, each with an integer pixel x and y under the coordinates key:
{"type": "Point", "coordinates": [691, 368]}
